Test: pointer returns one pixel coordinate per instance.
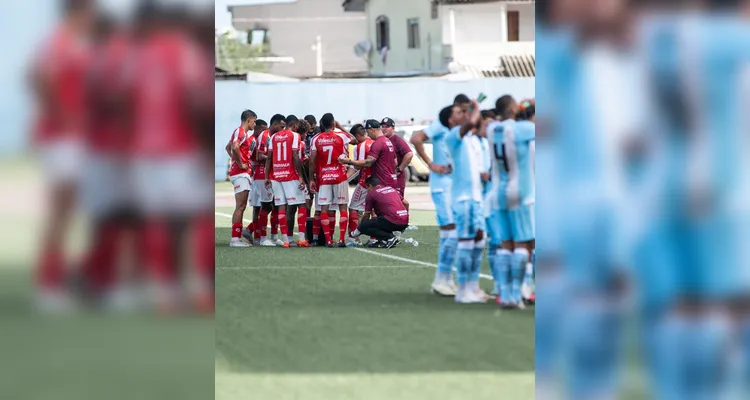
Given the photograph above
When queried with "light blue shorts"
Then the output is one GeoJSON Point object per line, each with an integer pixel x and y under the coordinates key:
{"type": "Point", "coordinates": [494, 227]}
{"type": "Point", "coordinates": [469, 217]}
{"type": "Point", "coordinates": [443, 210]}
{"type": "Point", "coordinates": [522, 223]}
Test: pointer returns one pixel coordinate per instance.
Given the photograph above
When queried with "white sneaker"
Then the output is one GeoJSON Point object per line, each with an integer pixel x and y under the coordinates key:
{"type": "Point", "coordinates": [469, 297]}
{"type": "Point", "coordinates": [268, 243]}
{"type": "Point", "coordinates": [278, 242]}
{"type": "Point", "coordinates": [443, 289]}
{"type": "Point", "coordinates": [352, 242]}
{"type": "Point", "coordinates": [237, 242]}
{"type": "Point", "coordinates": [482, 295]}
{"type": "Point", "coordinates": [55, 302]}
{"type": "Point", "coordinates": [256, 242]}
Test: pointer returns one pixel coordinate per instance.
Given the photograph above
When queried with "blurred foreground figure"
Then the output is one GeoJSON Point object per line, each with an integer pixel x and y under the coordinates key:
{"type": "Point", "coordinates": [58, 74]}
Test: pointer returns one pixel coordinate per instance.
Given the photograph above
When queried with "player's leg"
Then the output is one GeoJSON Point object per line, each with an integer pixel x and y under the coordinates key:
{"type": "Point", "coordinates": [377, 228]}
{"type": "Point", "coordinates": [342, 199]}
{"type": "Point", "coordinates": [477, 214]}
{"type": "Point", "coordinates": [280, 202]}
{"type": "Point", "coordinates": [317, 225]}
{"type": "Point", "coordinates": [256, 223]}
{"type": "Point", "coordinates": [297, 201]}
{"type": "Point", "coordinates": [443, 282]}
{"type": "Point", "coordinates": [263, 216]}
{"type": "Point", "coordinates": [241, 185]}
{"type": "Point", "coordinates": [275, 226]}
{"type": "Point", "coordinates": [522, 229]}
{"type": "Point", "coordinates": [466, 236]}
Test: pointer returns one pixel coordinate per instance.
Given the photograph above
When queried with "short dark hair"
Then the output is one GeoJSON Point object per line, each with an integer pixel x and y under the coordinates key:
{"type": "Point", "coordinates": [488, 114]}
{"type": "Point", "coordinates": [311, 119]}
{"type": "Point", "coordinates": [260, 122]}
{"type": "Point", "coordinates": [277, 118]}
{"type": "Point", "coordinates": [326, 121]}
{"type": "Point", "coordinates": [461, 99]}
{"type": "Point", "coordinates": [502, 105]}
{"type": "Point", "coordinates": [445, 116]}
{"type": "Point", "coordinates": [247, 114]}
{"type": "Point", "coordinates": [372, 181]}
{"type": "Point", "coordinates": [304, 127]}
{"type": "Point", "coordinates": [526, 110]}
{"type": "Point", "coordinates": [358, 129]}
{"type": "Point", "coordinates": [291, 118]}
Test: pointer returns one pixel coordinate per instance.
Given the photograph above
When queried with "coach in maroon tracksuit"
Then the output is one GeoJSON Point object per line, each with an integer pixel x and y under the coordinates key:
{"type": "Point", "coordinates": [392, 215]}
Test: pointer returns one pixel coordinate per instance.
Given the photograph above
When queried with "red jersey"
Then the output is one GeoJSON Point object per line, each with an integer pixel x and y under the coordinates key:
{"type": "Point", "coordinates": [107, 127]}
{"type": "Point", "coordinates": [62, 66]}
{"type": "Point", "coordinates": [258, 147]}
{"type": "Point", "coordinates": [386, 202]}
{"type": "Point", "coordinates": [360, 153]}
{"type": "Point", "coordinates": [241, 137]}
{"type": "Point", "coordinates": [281, 149]}
{"type": "Point", "coordinates": [168, 71]}
{"type": "Point", "coordinates": [329, 147]}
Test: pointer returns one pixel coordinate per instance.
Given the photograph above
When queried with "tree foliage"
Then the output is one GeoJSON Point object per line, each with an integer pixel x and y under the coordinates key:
{"type": "Point", "coordinates": [235, 56]}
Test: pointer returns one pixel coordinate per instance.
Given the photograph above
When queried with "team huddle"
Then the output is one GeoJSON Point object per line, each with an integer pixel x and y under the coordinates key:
{"type": "Point", "coordinates": [482, 184]}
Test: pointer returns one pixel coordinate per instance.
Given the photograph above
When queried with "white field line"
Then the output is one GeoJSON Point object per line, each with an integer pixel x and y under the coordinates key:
{"type": "Point", "coordinates": [402, 259]}
{"type": "Point", "coordinates": [298, 267]}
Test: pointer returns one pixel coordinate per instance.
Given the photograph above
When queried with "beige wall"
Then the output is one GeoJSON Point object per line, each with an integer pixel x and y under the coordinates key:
{"type": "Point", "coordinates": [477, 23]}
{"type": "Point", "coordinates": [429, 55]}
{"type": "Point", "coordinates": [293, 27]}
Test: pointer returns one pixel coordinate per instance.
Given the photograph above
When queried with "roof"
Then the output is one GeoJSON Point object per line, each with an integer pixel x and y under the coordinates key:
{"type": "Point", "coordinates": [223, 75]}
{"type": "Point", "coordinates": [509, 66]}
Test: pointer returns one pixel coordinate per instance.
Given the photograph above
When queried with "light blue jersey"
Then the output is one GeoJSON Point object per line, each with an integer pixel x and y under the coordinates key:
{"type": "Point", "coordinates": [467, 190]}
{"type": "Point", "coordinates": [496, 132]}
{"type": "Point", "coordinates": [440, 184]}
{"type": "Point", "coordinates": [519, 156]}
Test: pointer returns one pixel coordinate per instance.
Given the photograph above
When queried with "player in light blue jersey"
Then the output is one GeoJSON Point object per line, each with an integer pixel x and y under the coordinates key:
{"type": "Point", "coordinates": [466, 153]}
{"type": "Point", "coordinates": [440, 188]}
{"type": "Point", "coordinates": [500, 255]}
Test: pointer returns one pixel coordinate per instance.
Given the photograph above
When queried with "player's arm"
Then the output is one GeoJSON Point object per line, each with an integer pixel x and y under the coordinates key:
{"type": "Point", "coordinates": [298, 166]}
{"type": "Point", "coordinates": [229, 149]}
{"type": "Point", "coordinates": [474, 120]}
{"type": "Point", "coordinates": [269, 164]}
{"type": "Point", "coordinates": [366, 163]}
{"type": "Point", "coordinates": [418, 139]}
{"type": "Point", "coordinates": [406, 161]}
{"type": "Point", "coordinates": [311, 170]}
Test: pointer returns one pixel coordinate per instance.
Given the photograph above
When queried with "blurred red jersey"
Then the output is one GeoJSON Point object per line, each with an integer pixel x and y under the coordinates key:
{"type": "Point", "coordinates": [107, 126]}
{"type": "Point", "coordinates": [360, 153]}
{"type": "Point", "coordinates": [60, 74]}
{"type": "Point", "coordinates": [329, 147]}
{"type": "Point", "coordinates": [168, 75]}
{"type": "Point", "coordinates": [243, 139]}
{"type": "Point", "coordinates": [282, 147]}
{"type": "Point", "coordinates": [258, 147]}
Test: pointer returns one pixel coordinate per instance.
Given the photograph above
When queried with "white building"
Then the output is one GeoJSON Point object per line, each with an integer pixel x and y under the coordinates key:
{"type": "Point", "coordinates": [442, 35]}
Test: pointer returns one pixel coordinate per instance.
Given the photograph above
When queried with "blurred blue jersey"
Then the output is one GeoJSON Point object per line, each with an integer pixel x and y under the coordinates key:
{"type": "Point", "coordinates": [436, 132]}
{"type": "Point", "coordinates": [466, 154]}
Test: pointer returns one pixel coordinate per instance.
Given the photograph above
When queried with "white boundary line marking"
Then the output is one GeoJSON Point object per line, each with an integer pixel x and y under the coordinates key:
{"type": "Point", "coordinates": [298, 267]}
{"type": "Point", "coordinates": [397, 258]}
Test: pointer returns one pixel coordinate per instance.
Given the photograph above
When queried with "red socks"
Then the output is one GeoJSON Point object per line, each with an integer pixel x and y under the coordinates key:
{"type": "Point", "coordinates": [325, 223]}
{"type": "Point", "coordinates": [204, 246]}
{"type": "Point", "coordinates": [343, 223]}
{"type": "Point", "coordinates": [262, 223]}
{"type": "Point", "coordinates": [283, 224]}
{"type": "Point", "coordinates": [51, 270]}
{"type": "Point", "coordinates": [159, 252]}
{"type": "Point", "coordinates": [237, 230]}
{"type": "Point", "coordinates": [353, 221]}
{"type": "Point", "coordinates": [275, 222]}
{"type": "Point", "coordinates": [302, 220]}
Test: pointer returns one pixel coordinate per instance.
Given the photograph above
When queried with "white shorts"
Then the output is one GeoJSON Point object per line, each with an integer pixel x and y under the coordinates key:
{"type": "Point", "coordinates": [260, 194]}
{"type": "Point", "coordinates": [105, 187]}
{"type": "Point", "coordinates": [63, 160]}
{"type": "Point", "coordinates": [358, 199]}
{"type": "Point", "coordinates": [241, 183]}
{"type": "Point", "coordinates": [288, 193]}
{"type": "Point", "coordinates": [332, 194]}
{"type": "Point", "coordinates": [180, 184]}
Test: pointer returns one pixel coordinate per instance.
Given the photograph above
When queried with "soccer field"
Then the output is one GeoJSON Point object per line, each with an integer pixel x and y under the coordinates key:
{"type": "Point", "coordinates": [359, 323]}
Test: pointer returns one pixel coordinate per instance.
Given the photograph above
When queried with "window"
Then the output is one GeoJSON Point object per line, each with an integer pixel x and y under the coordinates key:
{"type": "Point", "coordinates": [412, 30]}
{"type": "Point", "coordinates": [435, 9]}
{"type": "Point", "coordinates": [382, 32]}
{"type": "Point", "coordinates": [513, 29]}
{"type": "Point", "coordinates": [258, 37]}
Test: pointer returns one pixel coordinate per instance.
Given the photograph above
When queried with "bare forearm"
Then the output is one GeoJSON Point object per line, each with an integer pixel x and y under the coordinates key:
{"type": "Point", "coordinates": [268, 168]}
{"type": "Point", "coordinates": [419, 147]}
{"type": "Point", "coordinates": [311, 172]}
{"type": "Point", "coordinates": [406, 161]}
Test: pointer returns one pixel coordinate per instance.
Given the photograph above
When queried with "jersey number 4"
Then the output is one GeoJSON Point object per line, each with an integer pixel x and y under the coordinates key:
{"type": "Point", "coordinates": [500, 154]}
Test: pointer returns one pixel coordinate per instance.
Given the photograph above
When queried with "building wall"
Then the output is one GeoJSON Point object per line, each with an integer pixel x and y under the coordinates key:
{"type": "Point", "coordinates": [292, 28]}
{"type": "Point", "coordinates": [429, 55]}
{"type": "Point", "coordinates": [478, 23]}
{"type": "Point", "coordinates": [350, 100]}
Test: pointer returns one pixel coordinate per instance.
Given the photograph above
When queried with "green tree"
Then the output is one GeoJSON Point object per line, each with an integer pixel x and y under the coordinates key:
{"type": "Point", "coordinates": [237, 57]}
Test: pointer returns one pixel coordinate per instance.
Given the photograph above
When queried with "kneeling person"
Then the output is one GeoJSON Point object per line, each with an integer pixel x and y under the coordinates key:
{"type": "Point", "coordinates": [392, 216]}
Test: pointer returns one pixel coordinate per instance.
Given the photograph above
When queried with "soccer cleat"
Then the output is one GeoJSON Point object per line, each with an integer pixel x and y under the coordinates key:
{"type": "Point", "coordinates": [482, 295]}
{"type": "Point", "coordinates": [285, 245]}
{"type": "Point", "coordinates": [374, 244]}
{"type": "Point", "coordinates": [341, 245]}
{"type": "Point", "coordinates": [313, 243]}
{"type": "Point", "coordinates": [292, 244]}
{"type": "Point", "coordinates": [303, 243]}
{"type": "Point", "coordinates": [329, 245]}
{"type": "Point", "coordinates": [392, 242]}
{"type": "Point", "coordinates": [279, 242]}
{"type": "Point", "coordinates": [531, 300]}
{"type": "Point", "coordinates": [469, 297]}
{"type": "Point", "coordinates": [267, 243]}
{"type": "Point", "coordinates": [248, 235]}
{"type": "Point", "coordinates": [443, 289]}
{"type": "Point", "coordinates": [256, 242]}
{"type": "Point", "coordinates": [237, 242]}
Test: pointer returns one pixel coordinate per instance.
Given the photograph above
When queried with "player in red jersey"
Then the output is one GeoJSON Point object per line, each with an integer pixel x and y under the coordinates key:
{"type": "Point", "coordinates": [57, 78]}
{"type": "Point", "coordinates": [327, 148]}
{"type": "Point", "coordinates": [169, 85]}
{"type": "Point", "coordinates": [261, 196]}
{"type": "Point", "coordinates": [284, 174]}
{"type": "Point", "coordinates": [239, 174]}
{"type": "Point", "coordinates": [251, 234]}
{"type": "Point", "coordinates": [357, 204]}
